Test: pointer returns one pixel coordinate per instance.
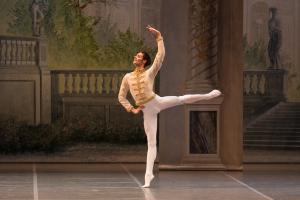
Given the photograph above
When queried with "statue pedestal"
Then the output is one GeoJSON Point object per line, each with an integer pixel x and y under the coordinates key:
{"type": "Point", "coordinates": [202, 136]}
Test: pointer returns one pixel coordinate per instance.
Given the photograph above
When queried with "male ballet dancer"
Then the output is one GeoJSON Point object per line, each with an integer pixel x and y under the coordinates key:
{"type": "Point", "coordinates": [140, 84]}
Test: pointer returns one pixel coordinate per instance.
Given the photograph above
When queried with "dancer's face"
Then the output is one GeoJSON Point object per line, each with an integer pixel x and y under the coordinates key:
{"type": "Point", "coordinates": [138, 59]}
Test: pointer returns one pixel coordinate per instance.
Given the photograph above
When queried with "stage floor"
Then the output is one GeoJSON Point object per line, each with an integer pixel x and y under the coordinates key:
{"type": "Point", "coordinates": [123, 181]}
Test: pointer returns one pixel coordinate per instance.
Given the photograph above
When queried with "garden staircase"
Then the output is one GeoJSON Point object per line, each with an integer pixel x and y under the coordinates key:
{"type": "Point", "coordinates": [276, 129]}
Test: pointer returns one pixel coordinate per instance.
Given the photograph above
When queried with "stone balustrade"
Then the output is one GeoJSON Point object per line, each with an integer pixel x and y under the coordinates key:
{"type": "Point", "coordinates": [87, 82]}
{"type": "Point", "coordinates": [263, 83]}
{"type": "Point", "coordinates": [18, 51]}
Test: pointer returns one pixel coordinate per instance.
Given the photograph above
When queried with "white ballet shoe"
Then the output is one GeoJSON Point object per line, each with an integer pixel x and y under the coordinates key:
{"type": "Point", "coordinates": [148, 179]}
{"type": "Point", "coordinates": [214, 93]}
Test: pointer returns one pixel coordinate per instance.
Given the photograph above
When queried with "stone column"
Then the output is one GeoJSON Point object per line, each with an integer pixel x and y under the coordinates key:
{"type": "Point", "coordinates": [174, 28]}
{"type": "Point", "coordinates": [203, 46]}
{"type": "Point", "coordinates": [231, 82]}
{"type": "Point", "coordinates": [202, 119]}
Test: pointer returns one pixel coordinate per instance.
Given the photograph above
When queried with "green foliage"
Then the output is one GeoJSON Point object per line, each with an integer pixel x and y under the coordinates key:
{"type": "Point", "coordinates": [255, 55]}
{"type": "Point", "coordinates": [21, 137]}
{"type": "Point", "coordinates": [21, 23]}
{"type": "Point", "coordinates": [70, 36]}
{"type": "Point", "coordinates": [120, 51]}
{"type": "Point", "coordinates": [77, 40]}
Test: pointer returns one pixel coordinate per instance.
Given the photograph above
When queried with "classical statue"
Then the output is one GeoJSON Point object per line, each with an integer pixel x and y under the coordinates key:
{"type": "Point", "coordinates": [38, 7]}
{"type": "Point", "coordinates": [275, 39]}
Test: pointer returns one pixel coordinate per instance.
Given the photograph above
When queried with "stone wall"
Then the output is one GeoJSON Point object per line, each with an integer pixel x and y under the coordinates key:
{"type": "Point", "coordinates": [24, 80]}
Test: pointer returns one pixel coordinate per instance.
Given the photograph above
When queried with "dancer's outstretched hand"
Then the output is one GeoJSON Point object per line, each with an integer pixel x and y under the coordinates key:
{"type": "Point", "coordinates": [214, 93]}
{"type": "Point", "coordinates": [156, 33]}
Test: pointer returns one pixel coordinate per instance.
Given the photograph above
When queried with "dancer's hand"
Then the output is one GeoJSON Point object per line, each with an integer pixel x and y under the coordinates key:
{"type": "Point", "coordinates": [214, 93]}
{"type": "Point", "coordinates": [137, 110]}
{"type": "Point", "coordinates": [156, 33]}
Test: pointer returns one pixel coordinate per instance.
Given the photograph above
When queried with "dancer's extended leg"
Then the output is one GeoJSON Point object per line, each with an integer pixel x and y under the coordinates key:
{"type": "Point", "coordinates": [171, 101]}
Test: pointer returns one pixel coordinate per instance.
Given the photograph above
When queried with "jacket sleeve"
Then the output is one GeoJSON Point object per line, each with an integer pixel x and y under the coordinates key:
{"type": "Point", "coordinates": [157, 63]}
{"type": "Point", "coordinates": [123, 94]}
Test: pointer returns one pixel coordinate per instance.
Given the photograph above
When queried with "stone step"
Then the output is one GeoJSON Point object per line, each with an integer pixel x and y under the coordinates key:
{"type": "Point", "coordinates": [275, 142]}
{"type": "Point", "coordinates": [275, 125]}
{"type": "Point", "coordinates": [289, 134]}
{"type": "Point", "coordinates": [278, 116]}
{"type": "Point", "coordinates": [281, 115]}
{"type": "Point", "coordinates": [273, 128]}
{"type": "Point", "coordinates": [289, 106]}
{"type": "Point", "coordinates": [271, 147]}
{"type": "Point", "coordinates": [289, 110]}
{"type": "Point", "coordinates": [272, 137]}
{"type": "Point", "coordinates": [278, 128]}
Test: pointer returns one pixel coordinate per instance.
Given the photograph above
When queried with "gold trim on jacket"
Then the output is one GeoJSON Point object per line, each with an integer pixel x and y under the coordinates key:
{"type": "Point", "coordinates": [140, 82]}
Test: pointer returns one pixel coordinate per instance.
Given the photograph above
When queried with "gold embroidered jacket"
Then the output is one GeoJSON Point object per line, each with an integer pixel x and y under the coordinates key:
{"type": "Point", "coordinates": [140, 82]}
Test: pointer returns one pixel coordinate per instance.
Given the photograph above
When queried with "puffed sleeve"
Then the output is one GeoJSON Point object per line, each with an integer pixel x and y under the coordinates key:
{"type": "Point", "coordinates": [157, 63]}
{"type": "Point", "coordinates": [123, 94]}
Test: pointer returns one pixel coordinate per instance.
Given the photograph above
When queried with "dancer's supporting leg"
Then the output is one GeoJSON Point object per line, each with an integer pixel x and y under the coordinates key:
{"type": "Point", "coordinates": [150, 125]}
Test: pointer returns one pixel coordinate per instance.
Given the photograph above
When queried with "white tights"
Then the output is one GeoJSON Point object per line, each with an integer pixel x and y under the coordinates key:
{"type": "Point", "coordinates": [150, 112]}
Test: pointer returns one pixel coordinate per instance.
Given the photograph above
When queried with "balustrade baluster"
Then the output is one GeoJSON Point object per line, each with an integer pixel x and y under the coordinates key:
{"type": "Point", "coordinates": [258, 83]}
{"type": "Point", "coordinates": [73, 86]}
{"type": "Point", "coordinates": [91, 84]}
{"type": "Point", "coordinates": [27, 55]}
{"type": "Point", "coordinates": [13, 58]}
{"type": "Point", "coordinates": [3, 49]}
{"type": "Point", "coordinates": [17, 52]}
{"type": "Point", "coordinates": [10, 52]}
{"type": "Point", "coordinates": [263, 84]}
{"type": "Point", "coordinates": [24, 52]}
{"type": "Point", "coordinates": [244, 85]}
{"type": "Point", "coordinates": [70, 83]}
{"type": "Point", "coordinates": [81, 91]}
{"type": "Point", "coordinates": [77, 83]}
{"type": "Point", "coordinates": [33, 53]}
{"type": "Point", "coordinates": [88, 90]}
{"type": "Point", "coordinates": [251, 80]}
{"type": "Point", "coordinates": [100, 83]}
{"type": "Point", "coordinates": [21, 52]}
{"type": "Point", "coordinates": [107, 83]}
{"type": "Point", "coordinates": [85, 83]}
{"type": "Point", "coordinates": [60, 83]}
{"type": "Point", "coordinates": [115, 83]}
{"type": "Point", "coordinates": [29, 52]}
{"type": "Point", "coordinates": [254, 84]}
{"type": "Point", "coordinates": [7, 52]}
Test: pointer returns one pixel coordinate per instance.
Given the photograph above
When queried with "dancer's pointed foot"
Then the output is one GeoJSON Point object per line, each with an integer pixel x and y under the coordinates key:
{"type": "Point", "coordinates": [214, 93]}
{"type": "Point", "coordinates": [148, 179]}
